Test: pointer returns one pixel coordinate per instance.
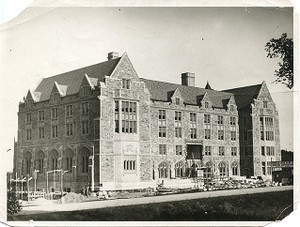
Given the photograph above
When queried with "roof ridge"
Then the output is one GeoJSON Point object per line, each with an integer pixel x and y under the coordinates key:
{"type": "Point", "coordinates": [243, 87]}
{"type": "Point", "coordinates": [210, 90]}
{"type": "Point", "coordinates": [81, 68]}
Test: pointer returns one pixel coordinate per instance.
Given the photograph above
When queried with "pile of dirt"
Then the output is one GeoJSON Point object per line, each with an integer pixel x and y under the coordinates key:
{"type": "Point", "coordinates": [74, 198]}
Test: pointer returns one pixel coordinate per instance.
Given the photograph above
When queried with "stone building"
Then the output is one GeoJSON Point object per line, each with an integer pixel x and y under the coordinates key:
{"type": "Point", "coordinates": [146, 130]}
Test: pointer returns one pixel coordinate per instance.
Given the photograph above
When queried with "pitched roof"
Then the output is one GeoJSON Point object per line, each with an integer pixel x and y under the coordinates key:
{"type": "Point", "coordinates": [74, 78]}
{"type": "Point", "coordinates": [244, 95]}
{"type": "Point", "coordinates": [160, 91]}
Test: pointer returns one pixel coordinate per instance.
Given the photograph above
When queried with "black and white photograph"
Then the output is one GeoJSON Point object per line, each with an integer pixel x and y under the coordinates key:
{"type": "Point", "coordinates": [126, 114]}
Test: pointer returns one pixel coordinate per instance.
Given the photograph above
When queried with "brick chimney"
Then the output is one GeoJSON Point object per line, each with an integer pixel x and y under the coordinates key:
{"type": "Point", "coordinates": [188, 79]}
{"type": "Point", "coordinates": [112, 55]}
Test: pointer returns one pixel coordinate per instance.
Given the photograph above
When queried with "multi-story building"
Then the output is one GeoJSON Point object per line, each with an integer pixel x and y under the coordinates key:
{"type": "Point", "coordinates": [102, 125]}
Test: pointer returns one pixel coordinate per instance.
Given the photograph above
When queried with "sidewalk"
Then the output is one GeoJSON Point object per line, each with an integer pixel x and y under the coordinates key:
{"type": "Point", "coordinates": [146, 200]}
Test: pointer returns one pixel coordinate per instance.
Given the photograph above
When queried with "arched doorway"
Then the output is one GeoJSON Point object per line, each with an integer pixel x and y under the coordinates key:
{"type": "Point", "coordinates": [53, 160]}
{"type": "Point", "coordinates": [180, 169]}
{"type": "Point", "coordinates": [39, 161]}
{"type": "Point", "coordinates": [163, 170]}
{"type": "Point", "coordinates": [68, 160]}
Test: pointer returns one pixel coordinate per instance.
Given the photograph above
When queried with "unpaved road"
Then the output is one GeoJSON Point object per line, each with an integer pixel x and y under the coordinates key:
{"type": "Point", "coordinates": [145, 200]}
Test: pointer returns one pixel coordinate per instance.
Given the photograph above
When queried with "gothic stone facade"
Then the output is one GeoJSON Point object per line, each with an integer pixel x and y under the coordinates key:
{"type": "Point", "coordinates": [146, 130]}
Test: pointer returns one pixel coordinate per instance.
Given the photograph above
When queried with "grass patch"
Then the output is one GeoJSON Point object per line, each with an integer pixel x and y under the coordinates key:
{"type": "Point", "coordinates": [251, 207]}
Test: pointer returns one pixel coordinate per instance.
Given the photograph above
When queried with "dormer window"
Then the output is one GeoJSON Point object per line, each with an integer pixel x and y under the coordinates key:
{"type": "Point", "coordinates": [231, 108]}
{"type": "Point", "coordinates": [265, 104]}
{"type": "Point", "coordinates": [125, 83]}
{"type": "Point", "coordinates": [177, 101]}
{"type": "Point", "coordinates": [206, 104]}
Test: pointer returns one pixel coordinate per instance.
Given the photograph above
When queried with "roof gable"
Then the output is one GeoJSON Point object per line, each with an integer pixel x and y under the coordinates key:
{"type": "Point", "coordinates": [264, 93]}
{"type": "Point", "coordinates": [124, 69]}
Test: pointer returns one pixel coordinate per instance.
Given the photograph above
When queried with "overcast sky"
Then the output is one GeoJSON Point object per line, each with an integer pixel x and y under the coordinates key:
{"type": "Point", "coordinates": [224, 46]}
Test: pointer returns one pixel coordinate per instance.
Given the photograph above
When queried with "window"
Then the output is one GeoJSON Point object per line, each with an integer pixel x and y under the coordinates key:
{"type": "Point", "coordinates": [54, 113]}
{"type": "Point", "coordinates": [129, 117]}
{"type": "Point", "coordinates": [28, 165]}
{"type": "Point", "coordinates": [270, 151]}
{"type": "Point", "coordinates": [234, 169]}
{"type": "Point", "coordinates": [69, 110]}
{"type": "Point", "coordinates": [178, 149]}
{"type": "Point", "coordinates": [207, 127]}
{"type": "Point", "coordinates": [40, 165]}
{"type": "Point", "coordinates": [221, 151]}
{"type": "Point", "coordinates": [263, 168]}
{"type": "Point", "coordinates": [193, 126]}
{"type": "Point", "coordinates": [69, 129]}
{"type": "Point", "coordinates": [85, 108]}
{"type": "Point", "coordinates": [28, 134]}
{"type": "Point", "coordinates": [162, 130]}
{"type": "Point", "coordinates": [28, 118]}
{"type": "Point", "coordinates": [53, 163]}
{"type": "Point", "coordinates": [222, 169]}
{"type": "Point", "coordinates": [262, 151]}
{"type": "Point", "coordinates": [266, 128]}
{"type": "Point", "coordinates": [41, 115]}
{"type": "Point", "coordinates": [206, 104]}
{"type": "Point", "coordinates": [54, 131]}
{"type": "Point", "coordinates": [232, 121]}
{"type": "Point", "coordinates": [231, 107]}
{"type": "Point", "coordinates": [85, 127]}
{"type": "Point", "coordinates": [265, 104]}
{"type": "Point", "coordinates": [86, 89]}
{"type": "Point", "coordinates": [163, 170]}
{"type": "Point", "coordinates": [269, 129]}
{"type": "Point", "coordinates": [41, 133]}
{"type": "Point", "coordinates": [233, 135]}
{"type": "Point", "coordinates": [233, 151]}
{"type": "Point", "coordinates": [162, 149]}
{"type": "Point", "coordinates": [220, 120]}
{"type": "Point", "coordinates": [261, 127]}
{"type": "Point", "coordinates": [129, 165]}
{"type": "Point", "coordinates": [207, 150]}
{"type": "Point", "coordinates": [117, 127]}
{"type": "Point", "coordinates": [125, 83]}
{"type": "Point", "coordinates": [177, 101]}
{"type": "Point", "coordinates": [178, 129]}
{"type": "Point", "coordinates": [220, 134]}
{"type": "Point", "coordinates": [220, 128]}
{"type": "Point", "coordinates": [55, 96]}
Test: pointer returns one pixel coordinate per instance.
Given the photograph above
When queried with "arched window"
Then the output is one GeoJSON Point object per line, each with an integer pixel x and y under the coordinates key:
{"type": "Point", "coordinates": [83, 159]}
{"type": "Point", "coordinates": [179, 169]}
{"type": "Point", "coordinates": [27, 162]}
{"type": "Point", "coordinates": [222, 169]}
{"type": "Point", "coordinates": [163, 170]}
{"type": "Point", "coordinates": [68, 160]}
{"type": "Point", "coordinates": [39, 161]}
{"type": "Point", "coordinates": [234, 168]}
{"type": "Point", "coordinates": [207, 173]}
{"type": "Point", "coordinates": [52, 160]}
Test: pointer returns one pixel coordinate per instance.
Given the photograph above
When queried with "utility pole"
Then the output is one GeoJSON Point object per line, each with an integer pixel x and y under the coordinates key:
{"type": "Point", "coordinates": [35, 179]}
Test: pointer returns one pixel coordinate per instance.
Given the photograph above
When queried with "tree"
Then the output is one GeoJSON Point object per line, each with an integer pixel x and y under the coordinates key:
{"type": "Point", "coordinates": [13, 205]}
{"type": "Point", "coordinates": [282, 48]}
